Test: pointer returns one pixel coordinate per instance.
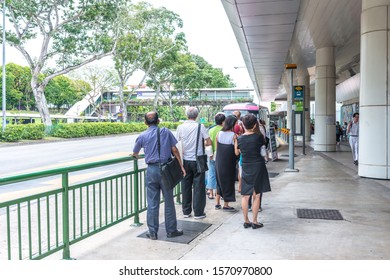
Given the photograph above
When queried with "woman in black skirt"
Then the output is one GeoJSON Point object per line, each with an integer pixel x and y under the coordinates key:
{"type": "Point", "coordinates": [225, 164]}
{"type": "Point", "coordinates": [254, 177]}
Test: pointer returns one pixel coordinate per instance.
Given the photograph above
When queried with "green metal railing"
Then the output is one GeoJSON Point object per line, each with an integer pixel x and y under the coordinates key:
{"type": "Point", "coordinates": [39, 225]}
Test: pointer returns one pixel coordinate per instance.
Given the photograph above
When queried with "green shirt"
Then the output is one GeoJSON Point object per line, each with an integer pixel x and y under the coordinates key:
{"type": "Point", "coordinates": [213, 136]}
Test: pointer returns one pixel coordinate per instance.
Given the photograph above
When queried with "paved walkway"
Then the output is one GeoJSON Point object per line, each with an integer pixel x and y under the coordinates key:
{"type": "Point", "coordinates": [324, 181]}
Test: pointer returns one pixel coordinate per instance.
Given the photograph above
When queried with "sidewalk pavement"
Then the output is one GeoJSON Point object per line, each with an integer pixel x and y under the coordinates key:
{"type": "Point", "coordinates": [326, 180]}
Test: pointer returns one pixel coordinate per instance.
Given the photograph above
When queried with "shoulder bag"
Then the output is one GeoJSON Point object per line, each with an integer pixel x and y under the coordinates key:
{"type": "Point", "coordinates": [171, 173]}
{"type": "Point", "coordinates": [201, 160]}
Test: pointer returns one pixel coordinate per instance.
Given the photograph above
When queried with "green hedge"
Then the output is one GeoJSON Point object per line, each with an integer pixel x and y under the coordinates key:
{"type": "Point", "coordinates": [17, 132]}
{"type": "Point", "coordinates": [14, 133]}
{"type": "Point", "coordinates": [76, 130]}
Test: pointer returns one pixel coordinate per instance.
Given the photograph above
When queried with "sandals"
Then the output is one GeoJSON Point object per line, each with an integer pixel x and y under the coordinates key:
{"type": "Point", "coordinates": [247, 225]}
{"type": "Point", "coordinates": [256, 226]}
{"type": "Point", "coordinates": [228, 208]}
{"type": "Point", "coordinates": [253, 225]}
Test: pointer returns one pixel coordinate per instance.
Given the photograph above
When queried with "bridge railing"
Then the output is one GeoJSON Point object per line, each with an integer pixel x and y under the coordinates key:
{"type": "Point", "coordinates": [38, 225]}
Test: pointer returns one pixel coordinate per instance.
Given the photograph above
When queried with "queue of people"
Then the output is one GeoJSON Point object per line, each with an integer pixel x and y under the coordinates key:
{"type": "Point", "coordinates": [235, 152]}
{"type": "Point", "coordinates": [231, 139]}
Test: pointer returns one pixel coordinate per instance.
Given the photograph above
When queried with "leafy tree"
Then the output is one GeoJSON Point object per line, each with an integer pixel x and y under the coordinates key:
{"type": "Point", "coordinates": [70, 33]}
{"type": "Point", "coordinates": [167, 113]}
{"type": "Point", "coordinates": [161, 75]}
{"type": "Point", "coordinates": [62, 92]}
{"type": "Point", "coordinates": [177, 74]}
{"type": "Point", "coordinates": [148, 34]}
{"type": "Point", "coordinates": [82, 87]}
{"type": "Point", "coordinates": [13, 95]}
{"type": "Point", "coordinates": [137, 112]}
{"type": "Point", "coordinates": [185, 73]}
{"type": "Point", "coordinates": [273, 106]}
{"type": "Point", "coordinates": [172, 69]}
{"type": "Point", "coordinates": [19, 93]}
{"type": "Point", "coordinates": [207, 76]}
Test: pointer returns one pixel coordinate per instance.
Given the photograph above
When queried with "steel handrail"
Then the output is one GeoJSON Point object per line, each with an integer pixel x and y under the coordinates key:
{"type": "Point", "coordinates": [65, 190]}
{"type": "Point", "coordinates": [58, 171]}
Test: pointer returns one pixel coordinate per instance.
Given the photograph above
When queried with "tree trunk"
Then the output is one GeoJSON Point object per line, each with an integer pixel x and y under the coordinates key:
{"type": "Point", "coordinates": [156, 97]}
{"type": "Point", "coordinates": [41, 103]}
{"type": "Point", "coordinates": [124, 113]}
{"type": "Point", "coordinates": [123, 102]}
{"type": "Point", "coordinates": [171, 107]}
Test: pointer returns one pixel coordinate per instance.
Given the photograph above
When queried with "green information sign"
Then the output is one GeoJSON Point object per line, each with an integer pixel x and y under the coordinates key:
{"type": "Point", "coordinates": [298, 106]}
{"type": "Point", "coordinates": [299, 91]}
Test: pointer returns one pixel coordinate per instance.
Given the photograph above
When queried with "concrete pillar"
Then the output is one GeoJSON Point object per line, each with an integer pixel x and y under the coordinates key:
{"type": "Point", "coordinates": [305, 81]}
{"type": "Point", "coordinates": [374, 109]}
{"type": "Point", "coordinates": [325, 101]}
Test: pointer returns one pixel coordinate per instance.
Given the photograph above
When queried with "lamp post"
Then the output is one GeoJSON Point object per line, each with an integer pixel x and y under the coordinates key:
{"type": "Point", "coordinates": [4, 95]}
{"type": "Point", "coordinates": [292, 130]}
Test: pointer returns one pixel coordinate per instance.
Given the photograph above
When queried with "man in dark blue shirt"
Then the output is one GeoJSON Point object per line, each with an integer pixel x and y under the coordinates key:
{"type": "Point", "coordinates": [148, 141]}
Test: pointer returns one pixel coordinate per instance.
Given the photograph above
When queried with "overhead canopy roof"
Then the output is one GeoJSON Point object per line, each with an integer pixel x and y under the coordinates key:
{"type": "Point", "coordinates": [271, 33]}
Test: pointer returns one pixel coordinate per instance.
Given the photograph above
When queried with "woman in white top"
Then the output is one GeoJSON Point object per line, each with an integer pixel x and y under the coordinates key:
{"type": "Point", "coordinates": [225, 164]}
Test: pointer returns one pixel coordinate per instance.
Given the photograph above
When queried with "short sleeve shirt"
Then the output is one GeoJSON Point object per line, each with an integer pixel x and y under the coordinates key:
{"type": "Point", "coordinates": [213, 136]}
{"type": "Point", "coordinates": [186, 133]}
{"type": "Point", "coordinates": [148, 141]}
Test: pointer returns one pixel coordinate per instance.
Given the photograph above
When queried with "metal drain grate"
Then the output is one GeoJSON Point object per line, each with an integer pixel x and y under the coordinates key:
{"type": "Point", "coordinates": [325, 214]}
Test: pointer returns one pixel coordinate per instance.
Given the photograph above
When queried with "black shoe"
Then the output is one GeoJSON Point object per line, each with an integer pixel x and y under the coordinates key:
{"type": "Point", "coordinates": [176, 233]}
{"type": "Point", "coordinates": [247, 225]}
{"type": "Point", "coordinates": [151, 235]}
{"type": "Point", "coordinates": [255, 226]}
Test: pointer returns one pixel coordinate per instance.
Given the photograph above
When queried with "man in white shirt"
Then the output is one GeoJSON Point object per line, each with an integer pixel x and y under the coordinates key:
{"type": "Point", "coordinates": [353, 131]}
{"type": "Point", "coordinates": [193, 184]}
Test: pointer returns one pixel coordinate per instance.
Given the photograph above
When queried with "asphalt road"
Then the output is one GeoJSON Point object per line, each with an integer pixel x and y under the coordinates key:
{"type": "Point", "coordinates": [32, 157]}
{"type": "Point", "coordinates": [28, 158]}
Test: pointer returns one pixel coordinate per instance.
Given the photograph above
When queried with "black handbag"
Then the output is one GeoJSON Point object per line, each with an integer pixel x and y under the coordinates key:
{"type": "Point", "coordinates": [171, 173]}
{"type": "Point", "coordinates": [201, 160]}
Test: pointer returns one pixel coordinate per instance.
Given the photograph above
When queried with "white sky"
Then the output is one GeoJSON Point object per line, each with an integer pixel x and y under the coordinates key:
{"type": "Point", "coordinates": [208, 33]}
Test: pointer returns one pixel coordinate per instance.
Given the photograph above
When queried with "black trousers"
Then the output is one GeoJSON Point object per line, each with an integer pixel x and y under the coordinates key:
{"type": "Point", "coordinates": [193, 189]}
